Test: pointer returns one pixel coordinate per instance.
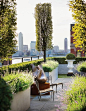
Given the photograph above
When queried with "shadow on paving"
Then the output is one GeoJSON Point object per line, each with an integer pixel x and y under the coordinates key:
{"type": "Point", "coordinates": [46, 103]}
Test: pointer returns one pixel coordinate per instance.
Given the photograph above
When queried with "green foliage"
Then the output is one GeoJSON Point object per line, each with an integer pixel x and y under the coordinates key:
{"type": "Point", "coordinates": [81, 67]}
{"type": "Point", "coordinates": [78, 8]}
{"type": "Point", "coordinates": [63, 76]}
{"type": "Point", "coordinates": [75, 97]}
{"type": "Point", "coordinates": [5, 95]}
{"type": "Point", "coordinates": [21, 66]}
{"type": "Point", "coordinates": [18, 82]}
{"type": "Point", "coordinates": [49, 65]}
{"type": "Point", "coordinates": [43, 27]}
{"type": "Point", "coordinates": [70, 56]}
{"type": "Point", "coordinates": [7, 28]}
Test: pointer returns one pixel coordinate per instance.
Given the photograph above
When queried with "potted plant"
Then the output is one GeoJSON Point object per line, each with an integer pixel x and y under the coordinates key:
{"type": "Point", "coordinates": [70, 58]}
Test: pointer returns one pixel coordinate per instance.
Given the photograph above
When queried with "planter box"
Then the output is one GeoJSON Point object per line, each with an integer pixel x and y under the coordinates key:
{"type": "Point", "coordinates": [54, 74]}
{"type": "Point", "coordinates": [21, 101]}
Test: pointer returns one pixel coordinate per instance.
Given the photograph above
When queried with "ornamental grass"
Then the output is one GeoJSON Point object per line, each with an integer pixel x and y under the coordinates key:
{"type": "Point", "coordinates": [75, 97]}
{"type": "Point", "coordinates": [49, 65]}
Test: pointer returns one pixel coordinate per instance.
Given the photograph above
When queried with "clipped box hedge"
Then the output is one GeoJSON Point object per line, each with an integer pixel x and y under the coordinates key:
{"type": "Point", "coordinates": [23, 66]}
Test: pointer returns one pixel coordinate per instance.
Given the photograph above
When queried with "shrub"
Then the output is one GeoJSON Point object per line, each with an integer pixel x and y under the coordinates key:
{"type": "Point", "coordinates": [10, 84]}
{"type": "Point", "coordinates": [81, 67]}
{"type": "Point", "coordinates": [49, 65]}
{"type": "Point", "coordinates": [5, 95]}
{"type": "Point", "coordinates": [70, 56]}
{"type": "Point", "coordinates": [75, 97]}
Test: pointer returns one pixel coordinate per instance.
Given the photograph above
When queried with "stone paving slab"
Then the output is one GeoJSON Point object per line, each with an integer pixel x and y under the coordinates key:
{"type": "Point", "coordinates": [46, 103]}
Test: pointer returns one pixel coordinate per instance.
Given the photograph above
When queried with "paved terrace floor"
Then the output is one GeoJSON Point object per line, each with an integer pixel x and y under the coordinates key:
{"type": "Point", "coordinates": [46, 103]}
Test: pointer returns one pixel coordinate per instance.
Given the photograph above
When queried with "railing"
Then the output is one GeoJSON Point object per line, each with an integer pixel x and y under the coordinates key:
{"type": "Point", "coordinates": [31, 58]}
{"type": "Point", "coordinates": [22, 59]}
{"type": "Point", "coordinates": [27, 57]}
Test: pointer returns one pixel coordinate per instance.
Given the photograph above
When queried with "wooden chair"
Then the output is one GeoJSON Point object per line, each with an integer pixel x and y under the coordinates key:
{"type": "Point", "coordinates": [41, 92]}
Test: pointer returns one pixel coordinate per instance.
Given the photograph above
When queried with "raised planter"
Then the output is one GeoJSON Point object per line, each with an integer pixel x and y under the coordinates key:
{"type": "Point", "coordinates": [21, 101]}
{"type": "Point", "coordinates": [54, 74]}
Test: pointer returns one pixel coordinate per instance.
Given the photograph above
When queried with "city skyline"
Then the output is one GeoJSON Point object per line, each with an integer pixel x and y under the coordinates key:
{"type": "Point", "coordinates": [61, 17]}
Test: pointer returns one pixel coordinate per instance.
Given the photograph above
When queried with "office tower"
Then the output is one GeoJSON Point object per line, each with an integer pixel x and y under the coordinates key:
{"type": "Point", "coordinates": [56, 49]}
{"type": "Point", "coordinates": [25, 48]}
{"type": "Point", "coordinates": [65, 45]}
{"type": "Point", "coordinates": [20, 42]}
{"type": "Point", "coordinates": [33, 48]}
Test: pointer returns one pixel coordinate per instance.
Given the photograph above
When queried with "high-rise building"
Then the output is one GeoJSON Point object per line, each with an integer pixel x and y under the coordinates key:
{"type": "Point", "coordinates": [33, 48]}
{"type": "Point", "coordinates": [56, 49]}
{"type": "Point", "coordinates": [25, 48]}
{"type": "Point", "coordinates": [20, 42]}
{"type": "Point", "coordinates": [65, 45]}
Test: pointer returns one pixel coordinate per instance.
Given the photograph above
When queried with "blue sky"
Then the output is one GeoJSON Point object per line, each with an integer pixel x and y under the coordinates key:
{"type": "Point", "coordinates": [61, 17]}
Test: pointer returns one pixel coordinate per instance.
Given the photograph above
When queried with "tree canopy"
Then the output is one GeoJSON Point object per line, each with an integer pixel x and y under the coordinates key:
{"type": "Point", "coordinates": [7, 28]}
{"type": "Point", "coordinates": [43, 27]}
{"type": "Point", "coordinates": [78, 7]}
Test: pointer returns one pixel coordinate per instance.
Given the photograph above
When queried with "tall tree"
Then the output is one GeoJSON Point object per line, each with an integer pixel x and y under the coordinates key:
{"type": "Point", "coordinates": [43, 27]}
{"type": "Point", "coordinates": [78, 8]}
{"type": "Point", "coordinates": [7, 28]}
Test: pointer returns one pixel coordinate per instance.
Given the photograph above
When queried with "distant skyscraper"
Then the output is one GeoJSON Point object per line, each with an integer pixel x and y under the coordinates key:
{"type": "Point", "coordinates": [56, 49]}
{"type": "Point", "coordinates": [20, 42]}
{"type": "Point", "coordinates": [25, 48]}
{"type": "Point", "coordinates": [65, 45]}
{"type": "Point", "coordinates": [33, 48]}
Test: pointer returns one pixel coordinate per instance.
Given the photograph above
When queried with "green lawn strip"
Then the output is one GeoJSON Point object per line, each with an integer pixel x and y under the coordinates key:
{"type": "Point", "coordinates": [63, 76]}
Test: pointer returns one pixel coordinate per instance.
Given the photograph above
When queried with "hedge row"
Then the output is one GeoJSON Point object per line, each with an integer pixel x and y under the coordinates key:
{"type": "Point", "coordinates": [23, 66]}
{"type": "Point", "coordinates": [61, 60]}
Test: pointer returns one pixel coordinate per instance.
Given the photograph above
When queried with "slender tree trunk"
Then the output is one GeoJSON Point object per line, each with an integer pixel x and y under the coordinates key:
{"type": "Point", "coordinates": [44, 55]}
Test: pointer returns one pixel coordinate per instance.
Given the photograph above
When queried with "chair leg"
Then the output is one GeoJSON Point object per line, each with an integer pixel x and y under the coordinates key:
{"type": "Point", "coordinates": [62, 85]}
{"type": "Point", "coordinates": [39, 97]}
{"type": "Point", "coordinates": [53, 95]}
{"type": "Point", "coordinates": [56, 88]}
